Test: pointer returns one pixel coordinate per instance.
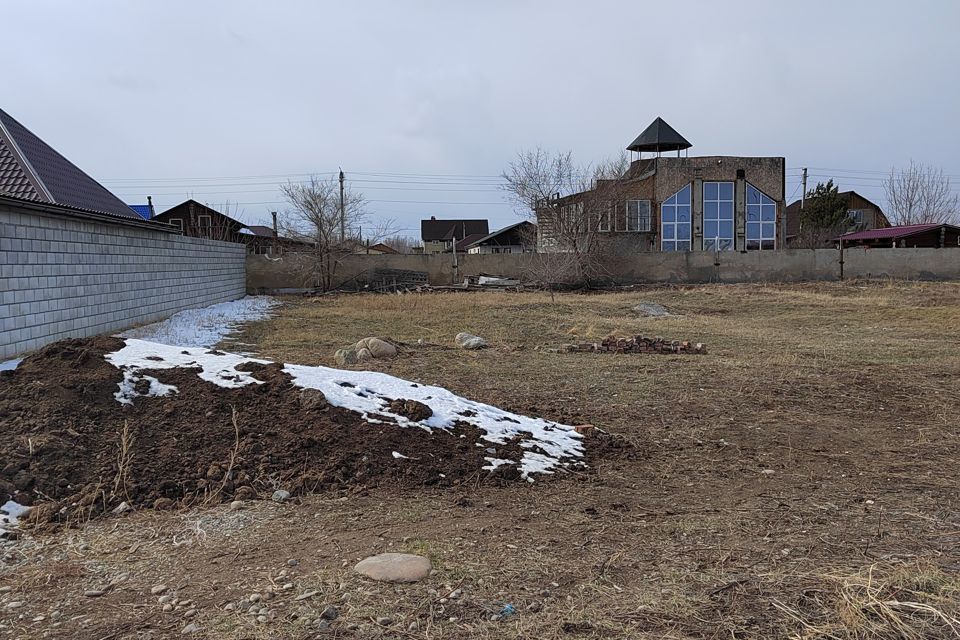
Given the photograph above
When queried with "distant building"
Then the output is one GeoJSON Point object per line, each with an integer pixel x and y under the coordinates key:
{"type": "Point", "coordinates": [520, 237]}
{"type": "Point", "coordinates": [262, 240]}
{"type": "Point", "coordinates": [864, 216]}
{"type": "Point", "coordinates": [200, 221]}
{"type": "Point", "coordinates": [935, 236]}
{"type": "Point", "coordinates": [145, 211]}
{"type": "Point", "coordinates": [707, 203]}
{"type": "Point", "coordinates": [439, 235]}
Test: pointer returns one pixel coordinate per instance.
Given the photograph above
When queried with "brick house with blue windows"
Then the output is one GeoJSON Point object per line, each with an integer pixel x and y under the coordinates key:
{"type": "Point", "coordinates": [682, 203]}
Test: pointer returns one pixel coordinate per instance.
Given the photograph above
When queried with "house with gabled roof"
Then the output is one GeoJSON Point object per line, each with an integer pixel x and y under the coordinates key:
{"type": "Point", "coordinates": [30, 169]}
{"type": "Point", "coordinates": [519, 237]}
{"type": "Point", "coordinates": [440, 236]}
{"type": "Point", "coordinates": [864, 215]}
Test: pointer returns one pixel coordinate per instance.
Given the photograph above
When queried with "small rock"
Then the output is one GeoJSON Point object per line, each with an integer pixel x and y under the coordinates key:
{"type": "Point", "coordinates": [394, 567]}
{"type": "Point", "coordinates": [158, 589]}
{"type": "Point", "coordinates": [6, 589]}
{"type": "Point", "coordinates": [344, 357]}
{"type": "Point", "coordinates": [262, 619]}
{"type": "Point", "coordinates": [456, 593]}
{"type": "Point", "coordinates": [120, 508]}
{"type": "Point", "coordinates": [245, 493]}
{"type": "Point", "coordinates": [287, 586]}
{"type": "Point", "coordinates": [308, 594]}
{"type": "Point", "coordinates": [230, 606]}
{"type": "Point", "coordinates": [384, 621]}
{"type": "Point", "coordinates": [236, 505]}
{"type": "Point", "coordinates": [94, 593]}
{"type": "Point", "coordinates": [164, 599]}
{"type": "Point", "coordinates": [469, 341]}
{"type": "Point", "coordinates": [183, 603]}
{"type": "Point", "coordinates": [189, 613]}
{"type": "Point", "coordinates": [193, 627]}
{"type": "Point", "coordinates": [768, 472]}
{"type": "Point", "coordinates": [330, 612]}
{"type": "Point", "coordinates": [16, 604]}
{"type": "Point", "coordinates": [413, 626]}
{"type": "Point", "coordinates": [292, 562]}
{"type": "Point", "coordinates": [167, 607]}
{"type": "Point", "coordinates": [312, 399]}
{"type": "Point", "coordinates": [254, 597]}
{"type": "Point", "coordinates": [281, 495]}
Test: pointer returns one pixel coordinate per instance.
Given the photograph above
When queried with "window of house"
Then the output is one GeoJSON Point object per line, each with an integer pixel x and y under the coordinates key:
{"type": "Point", "coordinates": [675, 221]}
{"type": "Point", "coordinates": [638, 215]}
{"type": "Point", "coordinates": [178, 223]}
{"type": "Point", "coordinates": [718, 216]}
{"type": "Point", "coordinates": [856, 216]}
{"type": "Point", "coordinates": [204, 223]}
{"type": "Point", "coordinates": [603, 224]}
{"type": "Point", "coordinates": [761, 220]}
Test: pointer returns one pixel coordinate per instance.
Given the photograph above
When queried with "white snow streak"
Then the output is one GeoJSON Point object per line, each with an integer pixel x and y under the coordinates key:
{"type": "Point", "coordinates": [207, 326]}
{"type": "Point", "coordinates": [10, 365]}
{"type": "Point", "coordinates": [547, 445]}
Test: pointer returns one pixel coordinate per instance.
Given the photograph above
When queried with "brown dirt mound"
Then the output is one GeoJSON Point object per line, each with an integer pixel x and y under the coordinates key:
{"type": "Point", "coordinates": [70, 445]}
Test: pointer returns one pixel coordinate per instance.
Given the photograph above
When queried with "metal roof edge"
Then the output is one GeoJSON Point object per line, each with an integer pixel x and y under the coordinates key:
{"type": "Point", "coordinates": [87, 214]}
{"type": "Point", "coordinates": [31, 173]}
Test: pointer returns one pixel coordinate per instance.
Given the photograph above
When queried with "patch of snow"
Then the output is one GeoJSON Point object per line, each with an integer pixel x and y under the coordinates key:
{"type": "Point", "coordinates": [10, 365]}
{"type": "Point", "coordinates": [11, 513]}
{"type": "Point", "coordinates": [495, 462]}
{"type": "Point", "coordinates": [398, 456]}
{"type": "Point", "coordinates": [246, 232]}
{"type": "Point", "coordinates": [128, 387]}
{"type": "Point", "coordinates": [207, 326]}
{"type": "Point", "coordinates": [548, 445]}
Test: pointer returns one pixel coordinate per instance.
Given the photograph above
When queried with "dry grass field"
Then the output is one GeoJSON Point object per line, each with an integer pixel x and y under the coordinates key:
{"type": "Point", "coordinates": [801, 480]}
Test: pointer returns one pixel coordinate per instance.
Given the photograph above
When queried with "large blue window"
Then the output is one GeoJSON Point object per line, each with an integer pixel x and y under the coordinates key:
{"type": "Point", "coordinates": [718, 216]}
{"type": "Point", "coordinates": [761, 220]}
{"type": "Point", "coordinates": [675, 221]}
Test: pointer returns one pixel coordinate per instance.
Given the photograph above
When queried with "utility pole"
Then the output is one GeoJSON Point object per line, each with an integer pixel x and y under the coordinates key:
{"type": "Point", "coordinates": [803, 195]}
{"type": "Point", "coordinates": [343, 217]}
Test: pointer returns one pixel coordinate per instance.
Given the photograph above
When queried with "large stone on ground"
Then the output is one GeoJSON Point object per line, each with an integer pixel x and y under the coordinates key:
{"type": "Point", "coordinates": [394, 567]}
{"type": "Point", "coordinates": [377, 347]}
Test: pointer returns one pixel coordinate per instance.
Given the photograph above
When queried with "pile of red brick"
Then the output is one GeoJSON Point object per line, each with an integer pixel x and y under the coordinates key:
{"type": "Point", "coordinates": [642, 344]}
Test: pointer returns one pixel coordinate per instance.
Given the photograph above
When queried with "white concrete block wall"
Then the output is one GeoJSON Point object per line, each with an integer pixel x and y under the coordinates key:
{"type": "Point", "coordinates": [66, 277]}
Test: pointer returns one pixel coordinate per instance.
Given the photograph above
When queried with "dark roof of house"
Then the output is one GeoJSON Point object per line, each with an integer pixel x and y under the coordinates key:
{"type": "Point", "coordinates": [894, 232]}
{"type": "Point", "coordinates": [31, 169]}
{"type": "Point", "coordinates": [145, 211]}
{"type": "Point", "coordinates": [792, 212]}
{"type": "Point", "coordinates": [433, 229]}
{"type": "Point", "coordinates": [261, 230]}
{"type": "Point", "coordinates": [462, 245]}
{"type": "Point", "coordinates": [500, 232]}
{"type": "Point", "coordinates": [659, 136]}
{"type": "Point", "coordinates": [202, 209]}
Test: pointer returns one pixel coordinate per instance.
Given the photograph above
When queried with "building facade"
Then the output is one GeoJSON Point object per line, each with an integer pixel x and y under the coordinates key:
{"type": "Point", "coordinates": [705, 203]}
{"type": "Point", "coordinates": [864, 215]}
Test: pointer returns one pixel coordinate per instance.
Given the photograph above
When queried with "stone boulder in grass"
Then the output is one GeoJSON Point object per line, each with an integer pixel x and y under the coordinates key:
{"type": "Point", "coordinates": [365, 350]}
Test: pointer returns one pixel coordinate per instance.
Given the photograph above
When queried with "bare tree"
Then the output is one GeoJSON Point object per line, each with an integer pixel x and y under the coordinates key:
{"type": "Point", "coordinates": [400, 242]}
{"type": "Point", "coordinates": [921, 194]}
{"type": "Point", "coordinates": [573, 206]}
{"type": "Point", "coordinates": [314, 216]}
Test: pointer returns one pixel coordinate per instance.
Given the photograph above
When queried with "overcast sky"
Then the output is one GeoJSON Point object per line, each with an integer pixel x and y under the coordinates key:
{"type": "Point", "coordinates": [222, 100]}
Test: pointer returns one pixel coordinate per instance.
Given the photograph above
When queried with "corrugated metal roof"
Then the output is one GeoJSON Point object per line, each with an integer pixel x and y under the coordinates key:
{"type": "Point", "coordinates": [13, 179]}
{"type": "Point", "coordinates": [142, 210]}
{"type": "Point", "coordinates": [890, 232]}
{"type": "Point", "coordinates": [59, 178]}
